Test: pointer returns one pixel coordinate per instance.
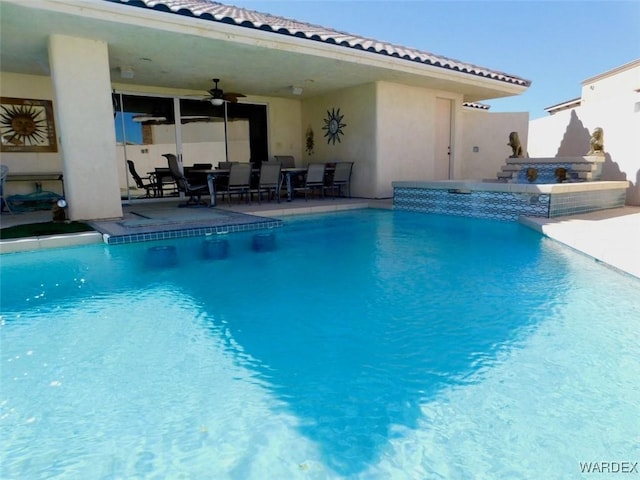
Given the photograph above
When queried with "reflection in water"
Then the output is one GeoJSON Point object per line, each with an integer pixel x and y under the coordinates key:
{"type": "Point", "coordinates": [337, 350]}
{"type": "Point", "coordinates": [355, 325]}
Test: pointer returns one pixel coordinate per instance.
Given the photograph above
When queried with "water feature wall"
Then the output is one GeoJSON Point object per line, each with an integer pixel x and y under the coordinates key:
{"type": "Point", "coordinates": [530, 187]}
{"type": "Point", "coordinates": [552, 170]}
{"type": "Point", "coordinates": [500, 200]}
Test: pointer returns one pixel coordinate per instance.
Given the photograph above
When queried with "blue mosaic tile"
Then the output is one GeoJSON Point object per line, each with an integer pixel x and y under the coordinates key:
{"type": "Point", "coordinates": [505, 205]}
{"type": "Point", "coordinates": [546, 173]}
{"type": "Point", "coordinates": [479, 204]}
{"type": "Point", "coordinates": [192, 232]}
{"type": "Point", "coordinates": [584, 202]}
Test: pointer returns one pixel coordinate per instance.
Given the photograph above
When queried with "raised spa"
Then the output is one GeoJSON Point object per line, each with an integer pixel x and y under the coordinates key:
{"type": "Point", "coordinates": [517, 191]}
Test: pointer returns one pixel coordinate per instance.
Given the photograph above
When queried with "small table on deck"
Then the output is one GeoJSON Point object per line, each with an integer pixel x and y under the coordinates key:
{"type": "Point", "coordinates": [36, 177]}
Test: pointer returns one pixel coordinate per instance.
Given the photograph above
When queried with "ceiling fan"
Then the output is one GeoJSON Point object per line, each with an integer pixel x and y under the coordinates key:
{"type": "Point", "coordinates": [218, 96]}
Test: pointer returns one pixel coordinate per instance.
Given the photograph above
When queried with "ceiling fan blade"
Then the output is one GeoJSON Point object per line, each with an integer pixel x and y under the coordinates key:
{"type": "Point", "coordinates": [232, 96]}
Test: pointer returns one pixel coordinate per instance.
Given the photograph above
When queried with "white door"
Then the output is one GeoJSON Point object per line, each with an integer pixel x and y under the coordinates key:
{"type": "Point", "coordinates": [443, 167]}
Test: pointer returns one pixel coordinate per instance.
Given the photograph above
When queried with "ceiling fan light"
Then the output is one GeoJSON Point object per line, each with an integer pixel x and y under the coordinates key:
{"type": "Point", "coordinates": [216, 102]}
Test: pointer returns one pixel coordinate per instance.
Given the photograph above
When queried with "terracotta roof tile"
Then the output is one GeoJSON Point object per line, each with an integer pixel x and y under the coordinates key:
{"type": "Point", "coordinates": [217, 12]}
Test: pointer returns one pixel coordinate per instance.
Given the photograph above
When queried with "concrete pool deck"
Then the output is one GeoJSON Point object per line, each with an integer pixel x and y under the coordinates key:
{"type": "Point", "coordinates": [153, 218]}
{"type": "Point", "coordinates": [609, 236]}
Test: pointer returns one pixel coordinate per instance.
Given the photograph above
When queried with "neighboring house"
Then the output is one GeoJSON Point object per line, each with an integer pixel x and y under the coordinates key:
{"type": "Point", "coordinates": [611, 101]}
{"type": "Point", "coordinates": [128, 80]}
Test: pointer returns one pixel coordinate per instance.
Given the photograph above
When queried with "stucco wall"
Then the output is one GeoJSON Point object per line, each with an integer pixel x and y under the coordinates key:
{"type": "Point", "coordinates": [406, 134]}
{"type": "Point", "coordinates": [489, 132]}
{"type": "Point", "coordinates": [39, 88]}
{"type": "Point", "coordinates": [285, 126]}
{"type": "Point", "coordinates": [358, 105]}
{"type": "Point", "coordinates": [391, 135]}
{"type": "Point", "coordinates": [546, 136]}
{"type": "Point", "coordinates": [85, 115]}
{"type": "Point", "coordinates": [610, 101]}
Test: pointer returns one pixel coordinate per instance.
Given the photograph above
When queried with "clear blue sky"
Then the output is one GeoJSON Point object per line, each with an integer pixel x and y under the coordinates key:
{"type": "Point", "coordinates": [555, 44]}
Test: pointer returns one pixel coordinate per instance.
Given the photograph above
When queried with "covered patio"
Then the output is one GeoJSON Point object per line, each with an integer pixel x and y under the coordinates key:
{"type": "Point", "coordinates": [399, 112]}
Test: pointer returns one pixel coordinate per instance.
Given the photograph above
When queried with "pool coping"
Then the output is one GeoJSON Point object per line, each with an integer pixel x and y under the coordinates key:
{"type": "Point", "coordinates": [262, 214]}
{"type": "Point", "coordinates": [49, 241]}
{"type": "Point", "coordinates": [608, 236]}
{"type": "Point", "coordinates": [512, 187]}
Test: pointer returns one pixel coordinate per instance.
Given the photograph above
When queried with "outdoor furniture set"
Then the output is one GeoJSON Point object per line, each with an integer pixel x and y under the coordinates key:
{"type": "Point", "coordinates": [267, 181]}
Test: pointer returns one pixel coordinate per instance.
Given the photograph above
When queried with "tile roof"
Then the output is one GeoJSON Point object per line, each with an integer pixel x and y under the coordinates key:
{"type": "Point", "coordinates": [476, 105]}
{"type": "Point", "coordinates": [217, 12]}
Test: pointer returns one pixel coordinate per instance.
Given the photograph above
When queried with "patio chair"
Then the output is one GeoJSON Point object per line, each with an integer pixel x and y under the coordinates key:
{"type": "Point", "coordinates": [314, 179]}
{"type": "Point", "coordinates": [269, 181]}
{"type": "Point", "coordinates": [287, 161]}
{"type": "Point", "coordinates": [151, 184]}
{"type": "Point", "coordinates": [341, 178]}
{"type": "Point", "coordinates": [194, 173]}
{"type": "Point", "coordinates": [194, 192]}
{"type": "Point", "coordinates": [202, 166]}
{"type": "Point", "coordinates": [239, 181]}
{"type": "Point", "coordinates": [164, 182]}
{"type": "Point", "coordinates": [4, 171]}
{"type": "Point", "coordinates": [225, 165]}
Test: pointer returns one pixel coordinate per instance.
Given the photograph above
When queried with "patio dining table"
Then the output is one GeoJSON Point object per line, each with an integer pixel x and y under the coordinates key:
{"type": "Point", "coordinates": [287, 174]}
{"type": "Point", "coordinates": [212, 175]}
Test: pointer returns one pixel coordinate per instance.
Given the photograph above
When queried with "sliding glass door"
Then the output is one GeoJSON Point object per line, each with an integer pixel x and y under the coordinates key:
{"type": "Point", "coordinates": [145, 129]}
{"type": "Point", "coordinates": [204, 134]}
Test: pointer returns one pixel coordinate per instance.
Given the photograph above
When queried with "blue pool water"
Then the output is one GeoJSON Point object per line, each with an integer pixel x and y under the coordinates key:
{"type": "Point", "coordinates": [366, 345]}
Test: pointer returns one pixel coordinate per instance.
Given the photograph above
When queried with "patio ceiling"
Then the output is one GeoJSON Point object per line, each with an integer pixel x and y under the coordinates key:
{"type": "Point", "coordinates": [185, 48]}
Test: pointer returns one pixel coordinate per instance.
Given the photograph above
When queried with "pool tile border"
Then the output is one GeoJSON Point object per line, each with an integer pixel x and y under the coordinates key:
{"type": "Point", "coordinates": [190, 232]}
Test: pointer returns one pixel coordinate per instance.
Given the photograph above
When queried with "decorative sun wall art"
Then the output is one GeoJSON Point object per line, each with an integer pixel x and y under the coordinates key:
{"type": "Point", "coordinates": [333, 125]}
{"type": "Point", "coordinates": [27, 125]}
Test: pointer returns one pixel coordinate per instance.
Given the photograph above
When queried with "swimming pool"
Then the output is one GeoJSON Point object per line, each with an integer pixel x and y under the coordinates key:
{"type": "Point", "coordinates": [370, 344]}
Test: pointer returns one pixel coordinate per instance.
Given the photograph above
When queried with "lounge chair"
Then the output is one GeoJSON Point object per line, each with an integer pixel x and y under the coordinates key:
{"type": "Point", "coordinates": [194, 192]}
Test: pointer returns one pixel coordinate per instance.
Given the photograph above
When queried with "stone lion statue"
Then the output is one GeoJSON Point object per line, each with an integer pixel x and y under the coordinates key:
{"type": "Point", "coordinates": [596, 143]}
{"type": "Point", "coordinates": [516, 147]}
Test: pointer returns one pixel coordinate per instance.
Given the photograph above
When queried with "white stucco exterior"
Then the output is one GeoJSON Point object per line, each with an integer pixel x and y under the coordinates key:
{"type": "Point", "coordinates": [404, 120]}
{"type": "Point", "coordinates": [83, 101]}
{"type": "Point", "coordinates": [610, 101]}
{"type": "Point", "coordinates": [484, 141]}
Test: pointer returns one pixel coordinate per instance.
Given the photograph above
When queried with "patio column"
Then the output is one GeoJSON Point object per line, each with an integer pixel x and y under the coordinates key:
{"type": "Point", "coordinates": [84, 122]}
